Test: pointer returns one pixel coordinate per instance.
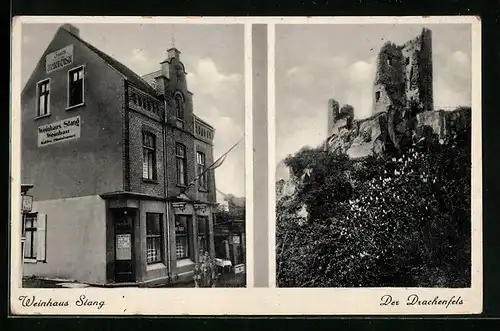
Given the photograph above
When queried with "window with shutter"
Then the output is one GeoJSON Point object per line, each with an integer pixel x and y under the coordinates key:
{"type": "Point", "coordinates": [41, 238]}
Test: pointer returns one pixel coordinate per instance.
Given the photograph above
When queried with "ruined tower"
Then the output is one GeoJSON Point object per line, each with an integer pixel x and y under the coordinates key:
{"type": "Point", "coordinates": [333, 111]}
{"type": "Point", "coordinates": [404, 75]}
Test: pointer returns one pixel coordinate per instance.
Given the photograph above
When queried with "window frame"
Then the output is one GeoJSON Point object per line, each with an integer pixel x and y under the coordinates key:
{"type": "Point", "coordinates": [68, 76]}
{"type": "Point", "coordinates": [149, 150]}
{"type": "Point", "coordinates": [180, 109]}
{"type": "Point", "coordinates": [33, 230]}
{"type": "Point", "coordinates": [181, 159]}
{"type": "Point", "coordinates": [46, 81]}
{"type": "Point", "coordinates": [185, 234]}
{"type": "Point", "coordinates": [154, 237]}
{"type": "Point", "coordinates": [200, 168]}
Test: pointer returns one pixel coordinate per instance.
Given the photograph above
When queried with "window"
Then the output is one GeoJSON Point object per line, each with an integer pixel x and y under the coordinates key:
{"type": "Point", "coordinates": [154, 231]}
{"type": "Point", "coordinates": [30, 222]}
{"type": "Point", "coordinates": [43, 98]}
{"type": "Point", "coordinates": [200, 168]}
{"type": "Point", "coordinates": [407, 61]}
{"type": "Point", "coordinates": [148, 156]}
{"type": "Point", "coordinates": [35, 237]}
{"type": "Point", "coordinates": [180, 155]}
{"type": "Point", "coordinates": [377, 96]}
{"type": "Point", "coordinates": [203, 234]}
{"type": "Point", "coordinates": [75, 87]}
{"type": "Point", "coordinates": [182, 236]}
{"type": "Point", "coordinates": [179, 106]}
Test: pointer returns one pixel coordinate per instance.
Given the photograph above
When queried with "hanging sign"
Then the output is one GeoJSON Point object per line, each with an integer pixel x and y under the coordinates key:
{"type": "Point", "coordinates": [59, 59]}
{"type": "Point", "coordinates": [59, 131]}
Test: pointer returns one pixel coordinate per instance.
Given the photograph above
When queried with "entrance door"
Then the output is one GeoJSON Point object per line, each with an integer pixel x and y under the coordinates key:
{"type": "Point", "coordinates": [124, 246]}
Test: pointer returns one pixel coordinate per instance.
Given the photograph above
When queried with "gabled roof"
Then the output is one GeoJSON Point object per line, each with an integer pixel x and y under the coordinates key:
{"type": "Point", "coordinates": [121, 68]}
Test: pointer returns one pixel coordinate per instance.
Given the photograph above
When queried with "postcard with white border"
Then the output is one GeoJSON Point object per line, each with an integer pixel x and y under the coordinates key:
{"type": "Point", "coordinates": [132, 161]}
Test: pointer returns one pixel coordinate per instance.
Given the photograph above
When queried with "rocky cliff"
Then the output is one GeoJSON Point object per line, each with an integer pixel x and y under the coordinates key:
{"type": "Point", "coordinates": [370, 136]}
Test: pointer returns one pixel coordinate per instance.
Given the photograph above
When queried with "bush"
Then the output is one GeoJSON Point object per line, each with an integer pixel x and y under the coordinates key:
{"type": "Point", "coordinates": [400, 222]}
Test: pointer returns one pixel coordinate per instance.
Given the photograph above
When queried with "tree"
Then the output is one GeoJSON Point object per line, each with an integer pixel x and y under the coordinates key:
{"type": "Point", "coordinates": [401, 222]}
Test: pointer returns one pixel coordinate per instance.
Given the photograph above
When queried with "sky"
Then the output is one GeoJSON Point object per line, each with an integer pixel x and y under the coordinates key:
{"type": "Point", "coordinates": [317, 62]}
{"type": "Point", "coordinates": [213, 56]}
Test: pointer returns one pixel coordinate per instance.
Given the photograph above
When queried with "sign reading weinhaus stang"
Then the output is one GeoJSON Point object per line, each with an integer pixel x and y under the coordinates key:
{"type": "Point", "coordinates": [59, 131]}
{"type": "Point", "coordinates": [59, 59]}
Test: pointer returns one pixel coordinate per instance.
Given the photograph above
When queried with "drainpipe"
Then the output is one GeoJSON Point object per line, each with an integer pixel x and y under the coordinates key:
{"type": "Point", "coordinates": [167, 215]}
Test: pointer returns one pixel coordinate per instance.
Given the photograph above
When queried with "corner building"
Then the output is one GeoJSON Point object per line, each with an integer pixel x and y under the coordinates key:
{"type": "Point", "coordinates": [111, 156]}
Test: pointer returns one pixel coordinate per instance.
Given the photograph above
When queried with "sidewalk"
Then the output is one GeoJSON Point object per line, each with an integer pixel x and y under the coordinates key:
{"type": "Point", "coordinates": [225, 280]}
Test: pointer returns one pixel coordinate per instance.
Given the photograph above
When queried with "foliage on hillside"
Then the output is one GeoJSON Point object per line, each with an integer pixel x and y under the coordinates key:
{"type": "Point", "coordinates": [400, 221]}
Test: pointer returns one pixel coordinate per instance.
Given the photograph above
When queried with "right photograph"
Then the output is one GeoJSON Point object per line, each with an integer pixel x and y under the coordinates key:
{"type": "Point", "coordinates": [373, 155]}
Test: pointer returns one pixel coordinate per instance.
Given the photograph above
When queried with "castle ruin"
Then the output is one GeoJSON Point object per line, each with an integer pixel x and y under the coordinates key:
{"type": "Point", "coordinates": [404, 75]}
{"type": "Point", "coordinates": [402, 102]}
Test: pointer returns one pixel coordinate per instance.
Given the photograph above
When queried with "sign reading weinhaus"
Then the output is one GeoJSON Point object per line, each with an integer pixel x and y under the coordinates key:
{"type": "Point", "coordinates": [59, 59]}
{"type": "Point", "coordinates": [59, 131]}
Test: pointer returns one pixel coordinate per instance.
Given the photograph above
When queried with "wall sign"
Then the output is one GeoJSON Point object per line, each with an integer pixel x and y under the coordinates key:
{"type": "Point", "coordinates": [27, 203]}
{"type": "Point", "coordinates": [179, 206]}
{"type": "Point", "coordinates": [200, 207]}
{"type": "Point", "coordinates": [123, 247]}
{"type": "Point", "coordinates": [59, 59]}
{"type": "Point", "coordinates": [59, 131]}
{"type": "Point", "coordinates": [239, 269]}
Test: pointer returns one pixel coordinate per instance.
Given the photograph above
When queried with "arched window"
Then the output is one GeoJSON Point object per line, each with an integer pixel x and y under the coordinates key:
{"type": "Point", "coordinates": [179, 105]}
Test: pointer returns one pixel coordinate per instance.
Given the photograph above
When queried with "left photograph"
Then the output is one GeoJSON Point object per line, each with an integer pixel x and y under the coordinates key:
{"type": "Point", "coordinates": [132, 155]}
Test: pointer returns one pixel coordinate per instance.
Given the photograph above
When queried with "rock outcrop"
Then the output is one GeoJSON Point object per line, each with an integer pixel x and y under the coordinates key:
{"type": "Point", "coordinates": [370, 136]}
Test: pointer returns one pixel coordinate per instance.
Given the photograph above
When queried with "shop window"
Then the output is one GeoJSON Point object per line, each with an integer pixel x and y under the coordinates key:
{"type": "Point", "coordinates": [182, 236]}
{"type": "Point", "coordinates": [149, 156]}
{"type": "Point", "coordinates": [35, 237]}
{"type": "Point", "coordinates": [180, 155]}
{"type": "Point", "coordinates": [154, 242]}
{"type": "Point", "coordinates": [75, 87]}
{"type": "Point", "coordinates": [200, 168]}
{"type": "Point", "coordinates": [43, 90]}
{"type": "Point", "coordinates": [203, 234]}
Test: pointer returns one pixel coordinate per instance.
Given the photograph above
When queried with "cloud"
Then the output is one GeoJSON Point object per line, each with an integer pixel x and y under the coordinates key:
{"type": "Point", "coordinates": [141, 62]}
{"type": "Point", "coordinates": [218, 98]}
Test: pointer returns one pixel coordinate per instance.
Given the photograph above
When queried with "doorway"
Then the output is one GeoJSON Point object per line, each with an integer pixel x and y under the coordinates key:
{"type": "Point", "coordinates": [124, 245]}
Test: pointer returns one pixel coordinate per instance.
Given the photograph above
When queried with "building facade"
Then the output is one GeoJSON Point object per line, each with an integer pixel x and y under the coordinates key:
{"type": "Point", "coordinates": [113, 158]}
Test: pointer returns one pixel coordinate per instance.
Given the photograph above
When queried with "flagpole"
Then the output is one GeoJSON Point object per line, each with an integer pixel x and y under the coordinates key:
{"type": "Point", "coordinates": [211, 167]}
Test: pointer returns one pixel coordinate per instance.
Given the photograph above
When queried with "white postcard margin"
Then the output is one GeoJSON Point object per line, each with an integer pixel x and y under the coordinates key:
{"type": "Point", "coordinates": [246, 301]}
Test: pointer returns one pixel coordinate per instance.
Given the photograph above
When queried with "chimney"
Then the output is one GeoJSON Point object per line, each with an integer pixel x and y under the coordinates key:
{"type": "Point", "coordinates": [173, 53]}
{"type": "Point", "coordinates": [71, 29]}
